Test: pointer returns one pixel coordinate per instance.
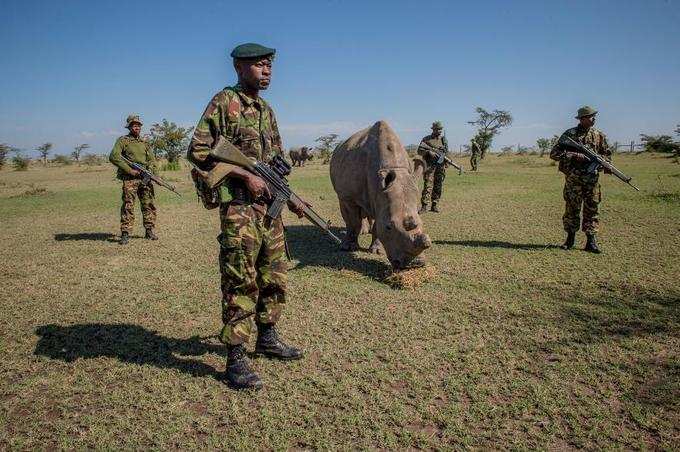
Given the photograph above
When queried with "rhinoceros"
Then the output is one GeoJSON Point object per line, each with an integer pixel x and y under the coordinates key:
{"type": "Point", "coordinates": [300, 156]}
{"type": "Point", "coordinates": [375, 181]}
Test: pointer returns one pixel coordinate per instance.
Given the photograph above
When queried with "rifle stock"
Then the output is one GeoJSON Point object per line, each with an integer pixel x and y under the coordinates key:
{"type": "Point", "coordinates": [225, 151]}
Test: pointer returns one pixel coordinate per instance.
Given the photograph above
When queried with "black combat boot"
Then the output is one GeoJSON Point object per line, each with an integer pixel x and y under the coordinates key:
{"type": "Point", "coordinates": [269, 344]}
{"type": "Point", "coordinates": [434, 208]}
{"type": "Point", "coordinates": [423, 209]}
{"type": "Point", "coordinates": [238, 374]}
{"type": "Point", "coordinates": [569, 243]}
{"type": "Point", "coordinates": [591, 244]}
{"type": "Point", "coordinates": [124, 238]}
{"type": "Point", "coordinates": [150, 235]}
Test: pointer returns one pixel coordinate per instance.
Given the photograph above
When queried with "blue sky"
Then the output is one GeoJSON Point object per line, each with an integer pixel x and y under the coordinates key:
{"type": "Point", "coordinates": [72, 70]}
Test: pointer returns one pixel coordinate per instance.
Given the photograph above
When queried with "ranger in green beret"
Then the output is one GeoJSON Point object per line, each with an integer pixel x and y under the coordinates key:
{"type": "Point", "coordinates": [433, 177]}
{"type": "Point", "coordinates": [580, 187]}
{"type": "Point", "coordinates": [136, 149]}
{"type": "Point", "coordinates": [252, 256]}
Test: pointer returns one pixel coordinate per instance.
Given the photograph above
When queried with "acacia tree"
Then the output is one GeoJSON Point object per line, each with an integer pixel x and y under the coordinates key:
{"type": "Point", "coordinates": [78, 150]}
{"type": "Point", "coordinates": [44, 150]}
{"type": "Point", "coordinates": [325, 146]}
{"type": "Point", "coordinates": [169, 140]}
{"type": "Point", "coordinates": [488, 125]}
{"type": "Point", "coordinates": [544, 145]}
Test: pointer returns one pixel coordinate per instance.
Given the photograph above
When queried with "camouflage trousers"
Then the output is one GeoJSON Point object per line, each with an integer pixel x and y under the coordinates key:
{"type": "Point", "coordinates": [580, 191]}
{"type": "Point", "coordinates": [253, 267]}
{"type": "Point", "coordinates": [474, 159]}
{"type": "Point", "coordinates": [132, 188]}
{"type": "Point", "coordinates": [433, 181]}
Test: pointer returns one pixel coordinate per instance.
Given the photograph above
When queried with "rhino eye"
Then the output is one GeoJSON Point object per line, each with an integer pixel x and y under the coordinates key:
{"type": "Point", "coordinates": [390, 225]}
{"type": "Point", "coordinates": [389, 179]}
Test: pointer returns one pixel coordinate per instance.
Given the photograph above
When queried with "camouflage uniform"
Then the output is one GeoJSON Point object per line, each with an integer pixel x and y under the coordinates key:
{"type": "Point", "coordinates": [139, 151]}
{"type": "Point", "coordinates": [433, 177]}
{"type": "Point", "coordinates": [252, 250]}
{"type": "Point", "coordinates": [581, 188]}
{"type": "Point", "coordinates": [475, 152]}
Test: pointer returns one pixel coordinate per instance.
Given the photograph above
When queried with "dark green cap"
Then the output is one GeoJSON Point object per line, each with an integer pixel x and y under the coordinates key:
{"type": "Point", "coordinates": [586, 111]}
{"type": "Point", "coordinates": [251, 50]}
{"type": "Point", "coordinates": [437, 125]}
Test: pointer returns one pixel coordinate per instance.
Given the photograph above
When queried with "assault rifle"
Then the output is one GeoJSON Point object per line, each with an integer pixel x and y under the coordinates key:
{"type": "Point", "coordinates": [148, 176]}
{"type": "Point", "coordinates": [440, 157]}
{"type": "Point", "coordinates": [595, 160]}
{"type": "Point", "coordinates": [274, 175]}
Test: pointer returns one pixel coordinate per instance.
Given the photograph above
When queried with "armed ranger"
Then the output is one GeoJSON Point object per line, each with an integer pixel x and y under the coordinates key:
{"type": "Point", "coordinates": [596, 161]}
{"type": "Point", "coordinates": [440, 157]}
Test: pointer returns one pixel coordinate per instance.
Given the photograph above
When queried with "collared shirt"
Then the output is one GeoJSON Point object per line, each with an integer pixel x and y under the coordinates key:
{"type": "Point", "coordinates": [247, 123]}
{"type": "Point", "coordinates": [135, 149]}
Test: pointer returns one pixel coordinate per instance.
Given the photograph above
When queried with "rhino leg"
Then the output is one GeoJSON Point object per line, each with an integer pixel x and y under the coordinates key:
{"type": "Point", "coordinates": [376, 247]}
{"type": "Point", "coordinates": [351, 213]}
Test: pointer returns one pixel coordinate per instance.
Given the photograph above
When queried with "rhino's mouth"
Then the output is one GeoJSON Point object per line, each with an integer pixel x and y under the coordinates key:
{"type": "Point", "coordinates": [407, 263]}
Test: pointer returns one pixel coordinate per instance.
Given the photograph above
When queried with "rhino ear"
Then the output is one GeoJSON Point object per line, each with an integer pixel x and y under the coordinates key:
{"type": "Point", "coordinates": [418, 168]}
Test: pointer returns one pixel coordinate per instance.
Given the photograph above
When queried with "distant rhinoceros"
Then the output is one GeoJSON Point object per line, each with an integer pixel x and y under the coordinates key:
{"type": "Point", "coordinates": [376, 185]}
{"type": "Point", "coordinates": [300, 155]}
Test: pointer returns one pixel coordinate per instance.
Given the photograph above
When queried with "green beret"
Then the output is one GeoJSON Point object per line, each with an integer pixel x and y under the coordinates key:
{"type": "Point", "coordinates": [251, 50]}
{"type": "Point", "coordinates": [586, 111]}
{"type": "Point", "coordinates": [437, 125]}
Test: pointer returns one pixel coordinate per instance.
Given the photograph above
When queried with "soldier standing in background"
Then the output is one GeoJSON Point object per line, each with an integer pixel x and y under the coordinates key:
{"type": "Point", "coordinates": [581, 187]}
{"type": "Point", "coordinates": [433, 177]}
{"type": "Point", "coordinates": [134, 148]}
{"type": "Point", "coordinates": [252, 256]}
{"type": "Point", "coordinates": [475, 152]}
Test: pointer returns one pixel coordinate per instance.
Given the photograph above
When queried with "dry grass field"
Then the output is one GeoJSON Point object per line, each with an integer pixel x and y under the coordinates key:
{"type": "Point", "coordinates": [512, 343]}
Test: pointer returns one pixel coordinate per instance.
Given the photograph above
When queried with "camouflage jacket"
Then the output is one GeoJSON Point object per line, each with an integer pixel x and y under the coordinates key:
{"type": "Point", "coordinates": [248, 123]}
{"type": "Point", "coordinates": [592, 138]}
{"type": "Point", "coordinates": [439, 142]}
{"type": "Point", "coordinates": [474, 148]}
{"type": "Point", "coordinates": [134, 149]}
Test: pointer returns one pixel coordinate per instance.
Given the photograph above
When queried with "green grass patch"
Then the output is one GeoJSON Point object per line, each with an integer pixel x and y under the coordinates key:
{"type": "Point", "coordinates": [509, 343]}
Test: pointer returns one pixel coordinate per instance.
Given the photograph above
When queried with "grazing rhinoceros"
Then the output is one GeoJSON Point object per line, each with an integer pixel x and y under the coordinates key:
{"type": "Point", "coordinates": [376, 185]}
{"type": "Point", "coordinates": [300, 155]}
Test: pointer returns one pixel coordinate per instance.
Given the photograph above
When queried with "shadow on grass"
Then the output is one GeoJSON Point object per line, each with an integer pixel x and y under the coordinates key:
{"type": "Point", "coordinates": [628, 316]}
{"type": "Point", "coordinates": [497, 244]}
{"type": "Point", "coordinates": [95, 236]}
{"type": "Point", "coordinates": [127, 343]}
{"type": "Point", "coordinates": [310, 246]}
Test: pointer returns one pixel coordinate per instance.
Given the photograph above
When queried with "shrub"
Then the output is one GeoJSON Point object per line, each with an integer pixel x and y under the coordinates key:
{"type": "Point", "coordinates": [61, 159]}
{"type": "Point", "coordinates": [20, 163]}
{"type": "Point", "coordinates": [171, 166]}
{"type": "Point", "coordinates": [92, 160]}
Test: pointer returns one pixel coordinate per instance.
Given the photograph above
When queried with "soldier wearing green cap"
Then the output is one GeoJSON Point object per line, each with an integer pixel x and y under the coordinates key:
{"type": "Point", "coordinates": [433, 177]}
{"type": "Point", "coordinates": [136, 149]}
{"type": "Point", "coordinates": [581, 188]}
{"type": "Point", "coordinates": [252, 255]}
{"type": "Point", "coordinates": [475, 152]}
